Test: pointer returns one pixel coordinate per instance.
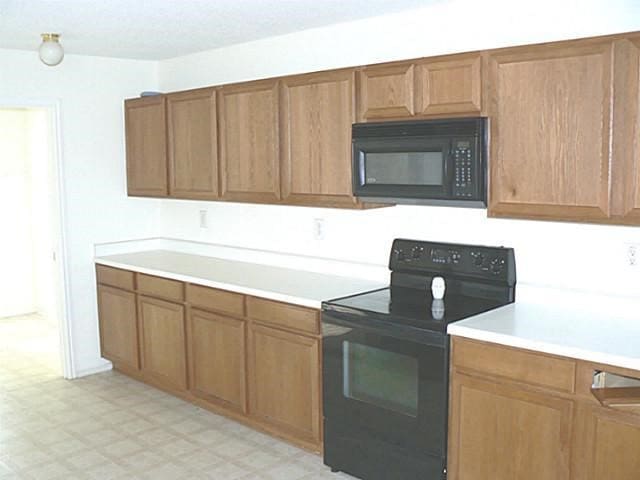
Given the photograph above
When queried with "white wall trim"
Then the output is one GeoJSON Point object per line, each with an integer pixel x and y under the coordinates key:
{"type": "Point", "coordinates": [90, 371]}
{"type": "Point", "coordinates": [52, 106]}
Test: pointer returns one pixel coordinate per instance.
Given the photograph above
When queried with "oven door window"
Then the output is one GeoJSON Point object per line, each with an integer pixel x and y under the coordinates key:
{"type": "Point", "coordinates": [381, 378]}
{"type": "Point", "coordinates": [404, 168]}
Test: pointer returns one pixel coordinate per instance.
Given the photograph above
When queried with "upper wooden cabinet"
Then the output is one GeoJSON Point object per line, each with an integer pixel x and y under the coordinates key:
{"type": "Point", "coordinates": [317, 113]}
{"type": "Point", "coordinates": [145, 131]}
{"type": "Point", "coordinates": [626, 132]}
{"type": "Point", "coordinates": [550, 110]}
{"type": "Point", "coordinates": [449, 85]}
{"type": "Point", "coordinates": [193, 144]}
{"type": "Point", "coordinates": [386, 91]}
{"type": "Point", "coordinates": [249, 143]}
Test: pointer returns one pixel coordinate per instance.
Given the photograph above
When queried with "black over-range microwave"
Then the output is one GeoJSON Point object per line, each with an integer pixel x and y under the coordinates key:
{"type": "Point", "coordinates": [430, 162]}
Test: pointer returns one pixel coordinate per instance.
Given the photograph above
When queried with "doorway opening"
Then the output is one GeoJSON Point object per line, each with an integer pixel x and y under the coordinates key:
{"type": "Point", "coordinates": [34, 333]}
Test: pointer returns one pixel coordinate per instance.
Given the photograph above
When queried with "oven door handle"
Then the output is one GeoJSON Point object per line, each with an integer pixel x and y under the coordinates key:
{"type": "Point", "coordinates": [334, 325]}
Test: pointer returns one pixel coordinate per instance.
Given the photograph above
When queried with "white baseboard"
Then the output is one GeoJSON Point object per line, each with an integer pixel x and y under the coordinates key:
{"type": "Point", "coordinates": [93, 370]}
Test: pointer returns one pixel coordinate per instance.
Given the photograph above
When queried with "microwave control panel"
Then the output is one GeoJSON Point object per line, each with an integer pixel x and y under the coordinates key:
{"type": "Point", "coordinates": [463, 170]}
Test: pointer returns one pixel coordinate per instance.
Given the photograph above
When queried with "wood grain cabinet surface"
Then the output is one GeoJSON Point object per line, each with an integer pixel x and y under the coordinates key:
{"type": "Point", "coordinates": [249, 142]}
{"type": "Point", "coordinates": [146, 142]}
{"type": "Point", "coordinates": [550, 131]}
{"type": "Point", "coordinates": [284, 382]}
{"type": "Point", "coordinates": [252, 359]}
{"type": "Point", "coordinates": [317, 113]}
{"type": "Point", "coordinates": [193, 144]}
{"type": "Point", "coordinates": [162, 341]}
{"type": "Point", "coordinates": [508, 422]}
{"type": "Point", "coordinates": [386, 92]}
{"type": "Point", "coordinates": [118, 326]}
{"type": "Point", "coordinates": [217, 359]}
{"type": "Point", "coordinates": [626, 132]}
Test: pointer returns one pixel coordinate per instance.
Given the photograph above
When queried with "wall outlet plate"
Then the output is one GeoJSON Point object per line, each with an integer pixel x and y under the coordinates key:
{"type": "Point", "coordinates": [632, 254]}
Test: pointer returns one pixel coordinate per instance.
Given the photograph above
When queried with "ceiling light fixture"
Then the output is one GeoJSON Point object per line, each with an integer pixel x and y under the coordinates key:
{"type": "Point", "coordinates": [50, 51]}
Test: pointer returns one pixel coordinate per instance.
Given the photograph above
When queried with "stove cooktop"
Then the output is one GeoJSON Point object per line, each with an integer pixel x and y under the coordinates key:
{"type": "Point", "coordinates": [411, 307]}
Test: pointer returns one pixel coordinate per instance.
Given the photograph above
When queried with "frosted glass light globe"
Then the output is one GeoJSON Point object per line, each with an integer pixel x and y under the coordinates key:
{"type": "Point", "coordinates": [50, 51]}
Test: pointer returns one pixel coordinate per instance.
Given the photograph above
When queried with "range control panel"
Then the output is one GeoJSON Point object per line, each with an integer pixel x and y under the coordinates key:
{"type": "Point", "coordinates": [492, 263]}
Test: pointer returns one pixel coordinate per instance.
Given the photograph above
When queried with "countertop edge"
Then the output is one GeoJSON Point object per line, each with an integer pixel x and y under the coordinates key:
{"type": "Point", "coordinates": [544, 347]}
{"type": "Point", "coordinates": [268, 294]}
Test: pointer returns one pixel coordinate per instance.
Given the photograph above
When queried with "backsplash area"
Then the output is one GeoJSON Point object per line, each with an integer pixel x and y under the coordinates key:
{"type": "Point", "coordinates": [566, 255]}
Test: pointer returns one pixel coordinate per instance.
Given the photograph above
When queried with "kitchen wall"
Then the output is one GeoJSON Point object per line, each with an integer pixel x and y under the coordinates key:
{"type": "Point", "coordinates": [89, 92]}
{"type": "Point", "coordinates": [570, 255]}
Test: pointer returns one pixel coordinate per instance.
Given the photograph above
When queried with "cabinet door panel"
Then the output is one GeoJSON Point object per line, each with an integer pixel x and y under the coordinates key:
{"type": "Point", "coordinates": [626, 132]}
{"type": "Point", "coordinates": [249, 144]}
{"type": "Point", "coordinates": [386, 91]}
{"type": "Point", "coordinates": [504, 433]}
{"type": "Point", "coordinates": [616, 445]}
{"type": "Point", "coordinates": [118, 326]}
{"type": "Point", "coordinates": [146, 133]}
{"type": "Point", "coordinates": [217, 358]}
{"type": "Point", "coordinates": [193, 149]}
{"type": "Point", "coordinates": [163, 342]}
{"type": "Point", "coordinates": [550, 132]}
{"type": "Point", "coordinates": [450, 86]}
{"type": "Point", "coordinates": [318, 112]}
{"type": "Point", "coordinates": [284, 380]}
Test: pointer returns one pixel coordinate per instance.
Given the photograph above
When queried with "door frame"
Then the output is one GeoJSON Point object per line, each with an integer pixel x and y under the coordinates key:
{"type": "Point", "coordinates": [58, 213]}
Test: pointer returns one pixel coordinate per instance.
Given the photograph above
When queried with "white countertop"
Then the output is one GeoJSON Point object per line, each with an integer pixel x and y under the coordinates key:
{"type": "Point", "coordinates": [601, 329]}
{"type": "Point", "coordinates": [294, 286]}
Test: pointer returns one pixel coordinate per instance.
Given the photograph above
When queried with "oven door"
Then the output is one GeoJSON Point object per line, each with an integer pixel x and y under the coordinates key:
{"type": "Point", "coordinates": [403, 167]}
{"type": "Point", "coordinates": [384, 388]}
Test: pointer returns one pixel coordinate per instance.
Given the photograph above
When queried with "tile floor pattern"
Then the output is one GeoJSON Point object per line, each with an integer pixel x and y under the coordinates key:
{"type": "Point", "coordinates": [107, 426]}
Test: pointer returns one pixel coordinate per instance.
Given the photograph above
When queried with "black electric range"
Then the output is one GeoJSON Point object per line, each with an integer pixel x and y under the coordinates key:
{"type": "Point", "coordinates": [386, 358]}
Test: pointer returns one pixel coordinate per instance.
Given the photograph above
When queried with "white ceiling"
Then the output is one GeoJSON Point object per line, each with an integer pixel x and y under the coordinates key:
{"type": "Point", "coordinates": [160, 29]}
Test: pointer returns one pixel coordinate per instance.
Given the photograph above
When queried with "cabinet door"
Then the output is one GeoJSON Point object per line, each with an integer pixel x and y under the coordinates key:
{"type": "Point", "coordinates": [193, 144]}
{"type": "Point", "coordinates": [163, 342]}
{"type": "Point", "coordinates": [146, 133]}
{"type": "Point", "coordinates": [386, 91]}
{"type": "Point", "coordinates": [450, 86]}
{"type": "Point", "coordinates": [217, 359]}
{"type": "Point", "coordinates": [318, 111]}
{"type": "Point", "coordinates": [612, 444]}
{"type": "Point", "coordinates": [499, 432]}
{"type": "Point", "coordinates": [626, 132]}
{"type": "Point", "coordinates": [118, 326]}
{"type": "Point", "coordinates": [249, 147]}
{"type": "Point", "coordinates": [550, 108]}
{"type": "Point", "coordinates": [284, 381]}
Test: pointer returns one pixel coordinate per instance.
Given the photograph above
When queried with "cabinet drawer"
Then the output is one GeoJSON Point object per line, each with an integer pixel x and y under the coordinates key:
{"type": "Point", "coordinates": [519, 365]}
{"type": "Point", "coordinates": [214, 299]}
{"type": "Point", "coordinates": [283, 315]}
{"type": "Point", "coordinates": [160, 287]}
{"type": "Point", "coordinates": [115, 277]}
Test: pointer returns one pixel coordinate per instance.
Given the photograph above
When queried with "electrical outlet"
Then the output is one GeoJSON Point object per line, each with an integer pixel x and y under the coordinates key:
{"type": "Point", "coordinates": [318, 228]}
{"type": "Point", "coordinates": [204, 221]}
{"type": "Point", "coordinates": [633, 254]}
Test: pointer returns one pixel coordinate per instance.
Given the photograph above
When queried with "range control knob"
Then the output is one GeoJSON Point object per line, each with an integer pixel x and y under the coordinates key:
{"type": "Point", "coordinates": [497, 264]}
{"type": "Point", "coordinates": [478, 258]}
{"type": "Point", "coordinates": [399, 255]}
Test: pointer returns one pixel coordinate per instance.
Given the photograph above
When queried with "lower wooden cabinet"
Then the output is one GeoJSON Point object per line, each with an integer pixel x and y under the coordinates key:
{"type": "Point", "coordinates": [255, 360]}
{"type": "Point", "coordinates": [217, 359]}
{"type": "Point", "coordinates": [284, 381]}
{"type": "Point", "coordinates": [518, 422]}
{"type": "Point", "coordinates": [506, 433]}
{"type": "Point", "coordinates": [162, 340]}
{"type": "Point", "coordinates": [118, 326]}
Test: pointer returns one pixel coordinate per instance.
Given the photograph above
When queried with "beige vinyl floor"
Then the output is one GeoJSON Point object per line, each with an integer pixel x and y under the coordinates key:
{"type": "Point", "coordinates": [107, 426]}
